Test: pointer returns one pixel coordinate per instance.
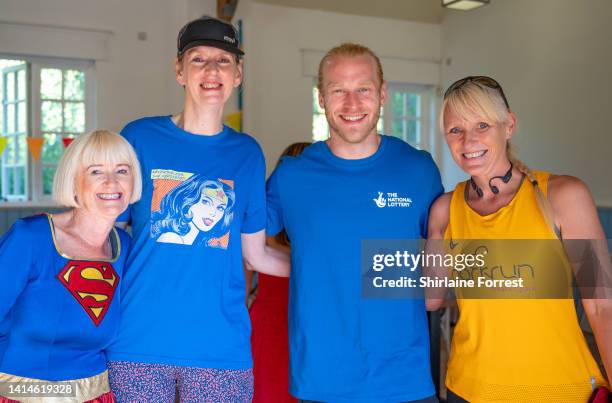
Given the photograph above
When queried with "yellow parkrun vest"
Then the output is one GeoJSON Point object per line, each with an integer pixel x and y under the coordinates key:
{"type": "Point", "coordinates": [516, 350]}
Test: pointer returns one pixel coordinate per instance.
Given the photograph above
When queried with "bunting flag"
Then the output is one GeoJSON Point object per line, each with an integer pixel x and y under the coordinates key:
{"type": "Point", "coordinates": [67, 141]}
{"type": "Point", "coordinates": [234, 120]}
{"type": "Point", "coordinates": [35, 145]}
{"type": "Point", "coordinates": [3, 141]}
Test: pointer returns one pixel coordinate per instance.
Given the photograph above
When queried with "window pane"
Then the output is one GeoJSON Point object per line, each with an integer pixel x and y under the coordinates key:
{"type": "Point", "coordinates": [320, 130]}
{"type": "Point", "coordinates": [74, 85]}
{"type": "Point", "coordinates": [413, 101]}
{"type": "Point", "coordinates": [10, 186]}
{"type": "Point", "coordinates": [51, 84]}
{"type": "Point", "coordinates": [51, 116]}
{"type": "Point", "coordinates": [315, 101]}
{"type": "Point", "coordinates": [21, 117]}
{"type": "Point", "coordinates": [20, 181]}
{"type": "Point", "coordinates": [22, 150]}
{"type": "Point", "coordinates": [397, 127]}
{"type": "Point", "coordinates": [21, 84]}
{"type": "Point", "coordinates": [414, 137]}
{"type": "Point", "coordinates": [74, 117]}
{"type": "Point", "coordinates": [9, 151]}
{"type": "Point", "coordinates": [10, 86]}
{"type": "Point", "coordinates": [52, 149]}
{"type": "Point", "coordinates": [48, 173]}
{"type": "Point", "coordinates": [397, 104]}
{"type": "Point", "coordinates": [10, 118]}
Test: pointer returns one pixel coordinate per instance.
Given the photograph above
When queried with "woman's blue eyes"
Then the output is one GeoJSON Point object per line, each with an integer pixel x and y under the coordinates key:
{"type": "Point", "coordinates": [122, 171]}
{"type": "Point", "coordinates": [481, 126]}
{"type": "Point", "coordinates": [208, 202]}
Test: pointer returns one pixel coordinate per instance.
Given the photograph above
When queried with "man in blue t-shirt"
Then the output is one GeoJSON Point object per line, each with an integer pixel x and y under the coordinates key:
{"type": "Point", "coordinates": [345, 348]}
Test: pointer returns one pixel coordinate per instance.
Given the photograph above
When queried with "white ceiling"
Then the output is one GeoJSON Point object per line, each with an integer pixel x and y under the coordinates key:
{"type": "Point", "coordinates": [430, 11]}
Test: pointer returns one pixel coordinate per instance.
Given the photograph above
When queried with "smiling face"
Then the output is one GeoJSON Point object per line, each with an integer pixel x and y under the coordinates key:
{"type": "Point", "coordinates": [211, 207]}
{"type": "Point", "coordinates": [478, 145]}
{"type": "Point", "coordinates": [105, 189]}
{"type": "Point", "coordinates": [351, 95]}
{"type": "Point", "coordinates": [208, 75]}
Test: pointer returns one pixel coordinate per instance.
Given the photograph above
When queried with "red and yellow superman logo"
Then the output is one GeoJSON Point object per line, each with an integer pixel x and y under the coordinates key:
{"type": "Point", "coordinates": [92, 284]}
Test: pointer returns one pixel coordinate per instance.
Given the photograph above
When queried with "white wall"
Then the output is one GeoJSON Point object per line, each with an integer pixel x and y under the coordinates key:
{"type": "Point", "coordinates": [137, 78]}
{"type": "Point", "coordinates": [278, 103]}
{"type": "Point", "coordinates": [553, 59]}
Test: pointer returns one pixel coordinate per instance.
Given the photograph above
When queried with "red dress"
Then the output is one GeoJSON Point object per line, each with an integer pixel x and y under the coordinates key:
{"type": "Point", "coordinates": [270, 341]}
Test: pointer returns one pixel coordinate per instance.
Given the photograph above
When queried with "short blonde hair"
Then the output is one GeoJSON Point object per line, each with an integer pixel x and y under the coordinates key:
{"type": "Point", "coordinates": [97, 147]}
{"type": "Point", "coordinates": [350, 50]}
{"type": "Point", "coordinates": [472, 100]}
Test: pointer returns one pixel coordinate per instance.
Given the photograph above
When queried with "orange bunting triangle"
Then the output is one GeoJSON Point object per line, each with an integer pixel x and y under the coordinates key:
{"type": "Point", "coordinates": [35, 145]}
{"type": "Point", "coordinates": [3, 141]}
{"type": "Point", "coordinates": [67, 141]}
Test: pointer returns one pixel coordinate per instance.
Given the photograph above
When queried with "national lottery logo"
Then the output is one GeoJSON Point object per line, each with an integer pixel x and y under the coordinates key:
{"type": "Point", "coordinates": [391, 199]}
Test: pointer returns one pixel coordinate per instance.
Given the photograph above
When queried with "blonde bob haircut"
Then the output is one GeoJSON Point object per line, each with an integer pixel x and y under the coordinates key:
{"type": "Point", "coordinates": [97, 147]}
{"type": "Point", "coordinates": [475, 101]}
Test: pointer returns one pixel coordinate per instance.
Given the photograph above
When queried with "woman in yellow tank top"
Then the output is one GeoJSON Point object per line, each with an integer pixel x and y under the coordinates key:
{"type": "Point", "coordinates": [527, 350]}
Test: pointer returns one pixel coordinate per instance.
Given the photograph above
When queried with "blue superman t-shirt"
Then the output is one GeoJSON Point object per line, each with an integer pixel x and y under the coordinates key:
{"type": "Point", "coordinates": [183, 287]}
{"type": "Point", "coordinates": [57, 313]}
{"type": "Point", "coordinates": [344, 348]}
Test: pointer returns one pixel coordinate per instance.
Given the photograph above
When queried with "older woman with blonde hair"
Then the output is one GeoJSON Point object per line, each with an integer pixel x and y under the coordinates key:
{"type": "Point", "coordinates": [515, 349]}
{"type": "Point", "coordinates": [59, 294]}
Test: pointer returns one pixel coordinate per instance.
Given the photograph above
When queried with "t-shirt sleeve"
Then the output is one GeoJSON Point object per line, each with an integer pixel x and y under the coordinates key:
{"type": "Point", "coordinates": [275, 222]}
{"type": "Point", "coordinates": [16, 262]}
{"type": "Point", "coordinates": [435, 190]}
{"type": "Point", "coordinates": [254, 218]}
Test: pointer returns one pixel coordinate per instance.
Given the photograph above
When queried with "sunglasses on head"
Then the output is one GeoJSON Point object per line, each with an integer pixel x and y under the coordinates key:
{"type": "Point", "coordinates": [479, 80]}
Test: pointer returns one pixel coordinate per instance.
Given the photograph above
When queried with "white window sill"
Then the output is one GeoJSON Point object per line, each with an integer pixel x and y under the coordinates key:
{"type": "Point", "coordinates": [29, 205]}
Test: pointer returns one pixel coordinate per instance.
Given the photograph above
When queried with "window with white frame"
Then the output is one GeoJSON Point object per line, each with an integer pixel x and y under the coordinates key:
{"type": "Point", "coordinates": [410, 110]}
{"type": "Point", "coordinates": [13, 165]}
{"type": "Point", "coordinates": [41, 98]}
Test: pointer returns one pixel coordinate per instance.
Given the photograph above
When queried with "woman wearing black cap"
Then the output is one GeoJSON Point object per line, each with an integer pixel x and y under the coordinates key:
{"type": "Point", "coordinates": [184, 323]}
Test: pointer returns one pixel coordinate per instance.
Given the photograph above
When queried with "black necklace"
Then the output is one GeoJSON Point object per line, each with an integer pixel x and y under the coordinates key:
{"type": "Point", "coordinates": [505, 178]}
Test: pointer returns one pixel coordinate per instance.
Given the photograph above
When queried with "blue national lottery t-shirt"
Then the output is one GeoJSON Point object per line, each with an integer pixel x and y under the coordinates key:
{"type": "Point", "coordinates": [183, 289]}
{"type": "Point", "coordinates": [344, 348]}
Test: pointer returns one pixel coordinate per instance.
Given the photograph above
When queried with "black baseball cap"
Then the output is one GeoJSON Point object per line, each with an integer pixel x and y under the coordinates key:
{"type": "Point", "coordinates": [209, 31]}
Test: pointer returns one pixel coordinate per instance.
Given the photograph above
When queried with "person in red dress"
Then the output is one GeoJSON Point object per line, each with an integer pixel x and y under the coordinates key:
{"type": "Point", "coordinates": [269, 338]}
